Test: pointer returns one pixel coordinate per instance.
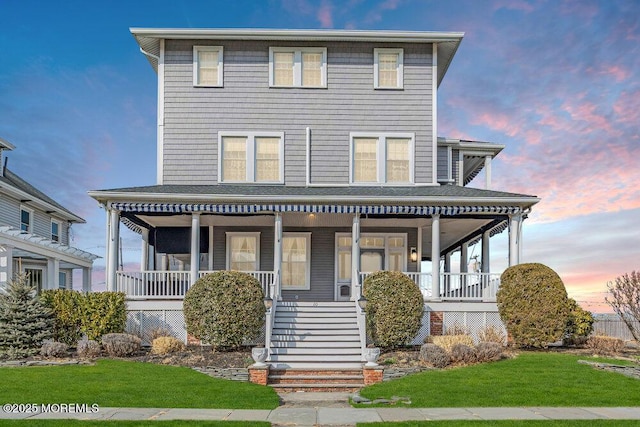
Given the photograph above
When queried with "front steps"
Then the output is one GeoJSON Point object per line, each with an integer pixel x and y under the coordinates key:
{"type": "Point", "coordinates": [316, 347]}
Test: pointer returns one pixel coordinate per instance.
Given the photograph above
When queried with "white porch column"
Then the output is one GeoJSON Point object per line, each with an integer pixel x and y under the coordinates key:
{"type": "Point", "coordinates": [86, 279]}
{"type": "Point", "coordinates": [277, 256]}
{"type": "Point", "coordinates": [53, 273]}
{"type": "Point", "coordinates": [514, 240]}
{"type": "Point", "coordinates": [6, 264]}
{"type": "Point", "coordinates": [447, 262]}
{"type": "Point", "coordinates": [486, 259]}
{"type": "Point", "coordinates": [144, 257]}
{"type": "Point", "coordinates": [435, 254]}
{"type": "Point", "coordinates": [355, 258]}
{"type": "Point", "coordinates": [195, 246]}
{"type": "Point", "coordinates": [210, 253]}
{"type": "Point", "coordinates": [112, 248]}
{"type": "Point", "coordinates": [464, 257]}
{"type": "Point", "coordinates": [487, 172]}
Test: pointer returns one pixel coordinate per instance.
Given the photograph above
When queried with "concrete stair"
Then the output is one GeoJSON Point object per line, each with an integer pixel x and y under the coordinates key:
{"type": "Point", "coordinates": [315, 347]}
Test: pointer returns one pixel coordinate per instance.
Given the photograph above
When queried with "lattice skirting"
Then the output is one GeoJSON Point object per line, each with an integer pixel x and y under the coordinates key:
{"type": "Point", "coordinates": [474, 322]}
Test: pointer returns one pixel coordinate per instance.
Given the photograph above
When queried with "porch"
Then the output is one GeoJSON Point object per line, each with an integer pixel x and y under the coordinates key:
{"type": "Point", "coordinates": [474, 287]}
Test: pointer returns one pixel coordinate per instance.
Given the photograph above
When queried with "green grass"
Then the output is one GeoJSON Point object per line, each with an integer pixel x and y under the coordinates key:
{"type": "Point", "coordinates": [509, 423]}
{"type": "Point", "coordinates": [531, 379]}
{"type": "Point", "coordinates": [119, 383]}
{"type": "Point", "coordinates": [73, 423]}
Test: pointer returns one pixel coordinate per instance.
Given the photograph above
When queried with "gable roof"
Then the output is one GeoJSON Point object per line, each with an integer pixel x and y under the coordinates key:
{"type": "Point", "coordinates": [12, 182]}
{"type": "Point", "coordinates": [447, 42]}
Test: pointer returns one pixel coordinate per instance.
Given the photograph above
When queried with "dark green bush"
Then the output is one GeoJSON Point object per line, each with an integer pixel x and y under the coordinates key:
{"type": "Point", "coordinates": [394, 309]}
{"type": "Point", "coordinates": [93, 314]}
{"type": "Point", "coordinates": [579, 325]}
{"type": "Point", "coordinates": [225, 309]}
{"type": "Point", "coordinates": [533, 305]}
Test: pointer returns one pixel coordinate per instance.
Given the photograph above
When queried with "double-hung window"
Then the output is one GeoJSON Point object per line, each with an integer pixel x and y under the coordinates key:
{"type": "Point", "coordinates": [388, 67]}
{"type": "Point", "coordinates": [207, 66]}
{"type": "Point", "coordinates": [243, 251]}
{"type": "Point", "coordinates": [26, 220]}
{"type": "Point", "coordinates": [251, 157]}
{"type": "Point", "coordinates": [298, 67]}
{"type": "Point", "coordinates": [55, 230]}
{"type": "Point", "coordinates": [381, 158]}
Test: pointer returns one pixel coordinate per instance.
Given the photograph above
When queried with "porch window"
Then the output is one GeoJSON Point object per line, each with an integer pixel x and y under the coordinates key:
{"type": "Point", "coordinates": [243, 251]}
{"type": "Point", "coordinates": [26, 218]}
{"type": "Point", "coordinates": [291, 67]}
{"type": "Point", "coordinates": [251, 157]}
{"type": "Point", "coordinates": [381, 158]}
{"type": "Point", "coordinates": [296, 261]}
{"type": "Point", "coordinates": [207, 66]}
{"type": "Point", "coordinates": [388, 68]}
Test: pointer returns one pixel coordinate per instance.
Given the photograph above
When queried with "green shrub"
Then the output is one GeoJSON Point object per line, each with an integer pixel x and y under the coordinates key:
{"type": "Point", "coordinates": [225, 309]}
{"type": "Point", "coordinates": [447, 342]}
{"type": "Point", "coordinates": [93, 314]}
{"type": "Point", "coordinates": [579, 325]}
{"type": "Point", "coordinates": [394, 309]}
{"type": "Point", "coordinates": [533, 305]}
{"type": "Point", "coordinates": [25, 322]}
{"type": "Point", "coordinates": [121, 345]}
{"type": "Point", "coordinates": [434, 355]}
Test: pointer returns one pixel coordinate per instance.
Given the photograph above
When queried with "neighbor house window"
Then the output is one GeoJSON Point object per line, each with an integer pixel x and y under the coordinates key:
{"type": "Point", "coordinates": [55, 231]}
{"type": "Point", "coordinates": [62, 280]}
{"type": "Point", "coordinates": [296, 261]}
{"type": "Point", "coordinates": [291, 67]}
{"type": "Point", "coordinates": [388, 68]}
{"type": "Point", "coordinates": [207, 66]}
{"type": "Point", "coordinates": [251, 157]}
{"type": "Point", "coordinates": [381, 158]}
{"type": "Point", "coordinates": [26, 220]}
{"type": "Point", "coordinates": [243, 251]}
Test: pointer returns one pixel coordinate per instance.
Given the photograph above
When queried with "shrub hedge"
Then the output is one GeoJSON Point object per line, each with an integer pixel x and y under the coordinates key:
{"type": "Point", "coordinates": [91, 314]}
{"type": "Point", "coordinates": [394, 308]}
{"type": "Point", "coordinates": [225, 309]}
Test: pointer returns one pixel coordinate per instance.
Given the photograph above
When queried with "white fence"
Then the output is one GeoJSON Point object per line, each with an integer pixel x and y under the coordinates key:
{"type": "Point", "coordinates": [612, 326]}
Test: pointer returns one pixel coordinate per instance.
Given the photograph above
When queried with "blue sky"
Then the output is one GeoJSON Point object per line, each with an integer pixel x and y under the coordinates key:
{"type": "Point", "coordinates": [557, 82]}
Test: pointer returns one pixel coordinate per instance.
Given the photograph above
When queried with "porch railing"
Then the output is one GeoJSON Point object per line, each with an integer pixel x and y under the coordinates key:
{"type": "Point", "coordinates": [455, 286]}
{"type": "Point", "coordinates": [170, 284]}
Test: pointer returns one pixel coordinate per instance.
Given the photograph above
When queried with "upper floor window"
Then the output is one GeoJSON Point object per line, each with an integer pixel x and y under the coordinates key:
{"type": "Point", "coordinates": [381, 158]}
{"type": "Point", "coordinates": [55, 230]}
{"type": "Point", "coordinates": [251, 157]}
{"type": "Point", "coordinates": [292, 67]}
{"type": "Point", "coordinates": [26, 220]}
{"type": "Point", "coordinates": [388, 68]}
{"type": "Point", "coordinates": [207, 66]}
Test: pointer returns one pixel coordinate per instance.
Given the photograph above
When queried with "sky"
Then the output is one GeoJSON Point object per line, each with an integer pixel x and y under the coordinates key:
{"type": "Point", "coordinates": [557, 82]}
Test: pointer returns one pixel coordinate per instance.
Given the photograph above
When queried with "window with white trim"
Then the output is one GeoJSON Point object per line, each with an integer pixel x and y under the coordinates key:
{"type": "Point", "coordinates": [55, 230]}
{"type": "Point", "coordinates": [298, 67]}
{"type": "Point", "coordinates": [388, 68]}
{"type": "Point", "coordinates": [381, 158]}
{"type": "Point", "coordinates": [243, 251]}
{"type": "Point", "coordinates": [26, 220]}
{"type": "Point", "coordinates": [295, 269]}
{"type": "Point", "coordinates": [251, 157]}
{"type": "Point", "coordinates": [208, 67]}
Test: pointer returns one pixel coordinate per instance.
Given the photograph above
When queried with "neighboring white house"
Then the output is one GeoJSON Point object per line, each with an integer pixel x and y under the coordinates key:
{"type": "Point", "coordinates": [34, 235]}
{"type": "Point", "coordinates": [309, 158]}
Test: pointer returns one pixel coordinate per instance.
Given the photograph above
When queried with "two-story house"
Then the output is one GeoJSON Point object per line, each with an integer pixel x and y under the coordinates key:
{"type": "Point", "coordinates": [309, 158]}
{"type": "Point", "coordinates": [34, 235]}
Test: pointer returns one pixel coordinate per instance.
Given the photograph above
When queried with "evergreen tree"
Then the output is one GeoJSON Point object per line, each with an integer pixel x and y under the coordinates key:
{"type": "Point", "coordinates": [25, 322]}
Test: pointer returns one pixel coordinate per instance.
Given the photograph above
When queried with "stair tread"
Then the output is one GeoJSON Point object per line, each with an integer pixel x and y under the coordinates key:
{"type": "Point", "coordinates": [316, 385]}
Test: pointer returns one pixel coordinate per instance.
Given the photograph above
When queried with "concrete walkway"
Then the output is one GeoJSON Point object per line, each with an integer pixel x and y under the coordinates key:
{"type": "Point", "coordinates": [322, 409]}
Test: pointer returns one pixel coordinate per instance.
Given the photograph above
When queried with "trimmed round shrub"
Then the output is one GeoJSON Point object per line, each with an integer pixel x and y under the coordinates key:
{"type": "Point", "coordinates": [88, 349]}
{"type": "Point", "coordinates": [53, 349]}
{"type": "Point", "coordinates": [225, 309]}
{"type": "Point", "coordinates": [488, 352]}
{"type": "Point", "coordinates": [461, 353]}
{"type": "Point", "coordinates": [434, 355]}
{"type": "Point", "coordinates": [394, 309]}
{"type": "Point", "coordinates": [533, 305]}
{"type": "Point", "coordinates": [166, 345]}
{"type": "Point", "coordinates": [121, 345]}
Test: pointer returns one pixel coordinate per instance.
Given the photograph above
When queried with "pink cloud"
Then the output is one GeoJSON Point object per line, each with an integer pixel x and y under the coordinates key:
{"type": "Point", "coordinates": [324, 14]}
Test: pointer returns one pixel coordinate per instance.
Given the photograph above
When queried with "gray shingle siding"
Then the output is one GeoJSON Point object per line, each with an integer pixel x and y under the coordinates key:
{"type": "Point", "coordinates": [194, 115]}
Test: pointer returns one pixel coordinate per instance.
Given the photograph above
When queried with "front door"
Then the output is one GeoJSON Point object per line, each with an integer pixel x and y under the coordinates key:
{"type": "Point", "coordinates": [371, 260]}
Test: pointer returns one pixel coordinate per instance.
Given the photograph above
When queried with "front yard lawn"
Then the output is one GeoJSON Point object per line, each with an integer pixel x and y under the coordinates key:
{"type": "Point", "coordinates": [119, 383]}
{"type": "Point", "coordinates": [508, 423]}
{"type": "Point", "coordinates": [531, 379]}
